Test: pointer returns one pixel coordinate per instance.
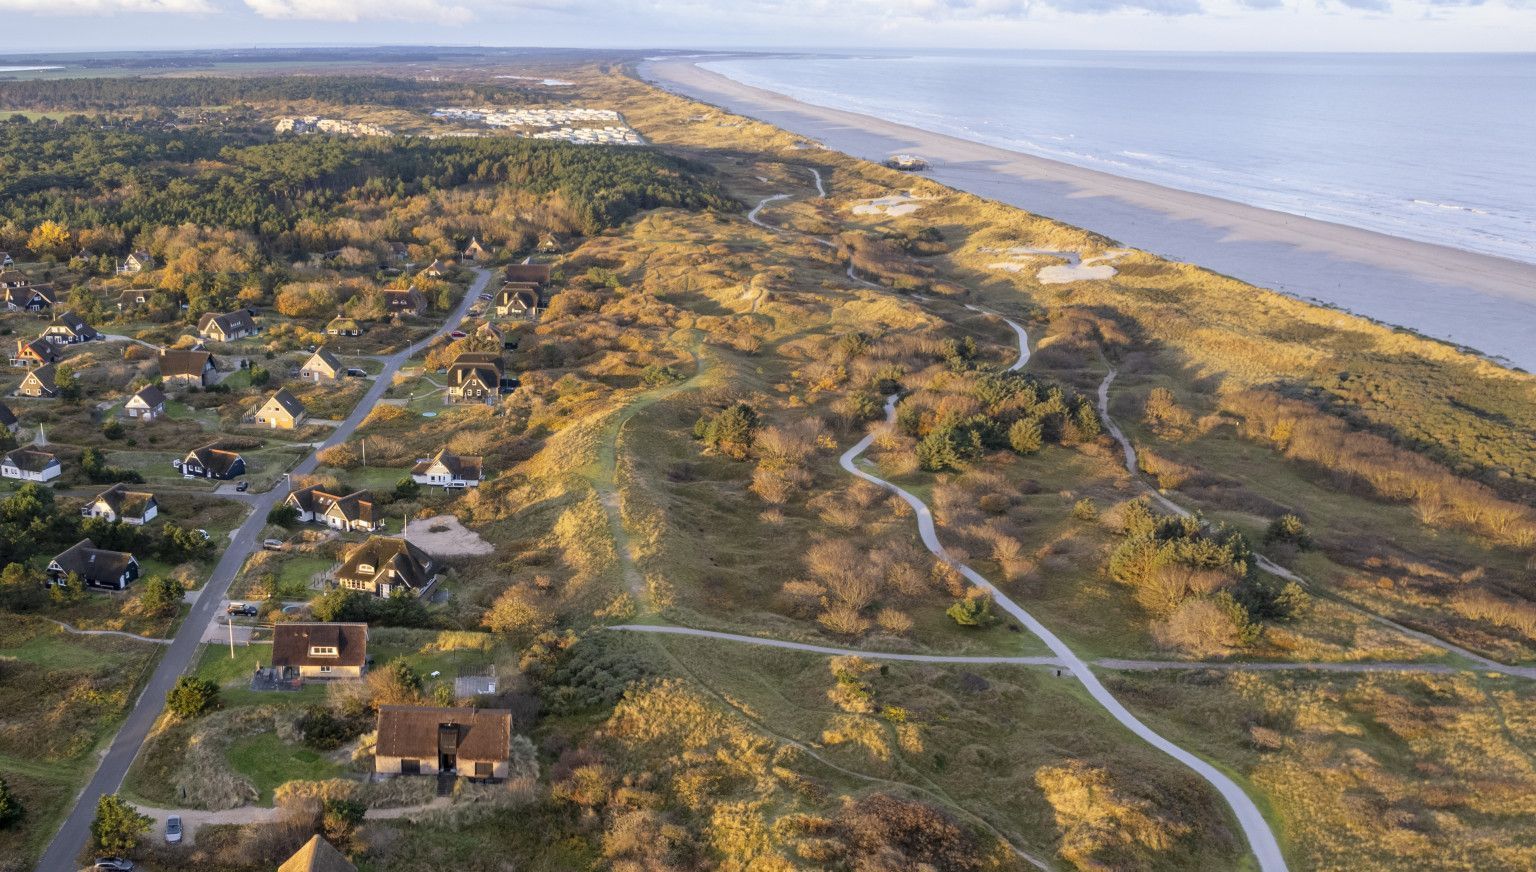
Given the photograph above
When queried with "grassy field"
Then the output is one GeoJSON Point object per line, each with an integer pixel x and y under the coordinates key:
{"type": "Point", "coordinates": [269, 763]}
{"type": "Point", "coordinates": [61, 698]}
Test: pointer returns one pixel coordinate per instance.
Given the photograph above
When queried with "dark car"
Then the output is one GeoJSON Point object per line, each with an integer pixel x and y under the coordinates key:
{"type": "Point", "coordinates": [243, 486]}
{"type": "Point", "coordinates": [248, 610]}
{"type": "Point", "coordinates": [112, 864]}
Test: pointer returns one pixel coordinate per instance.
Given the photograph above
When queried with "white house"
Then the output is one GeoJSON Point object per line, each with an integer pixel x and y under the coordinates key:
{"type": "Point", "coordinates": [28, 464]}
{"type": "Point", "coordinates": [118, 503]}
{"type": "Point", "coordinates": [449, 470]}
{"type": "Point", "coordinates": [146, 405]}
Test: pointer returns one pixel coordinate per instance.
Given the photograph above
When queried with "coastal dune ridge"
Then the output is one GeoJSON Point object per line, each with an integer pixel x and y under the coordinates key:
{"type": "Point", "coordinates": [1480, 302]}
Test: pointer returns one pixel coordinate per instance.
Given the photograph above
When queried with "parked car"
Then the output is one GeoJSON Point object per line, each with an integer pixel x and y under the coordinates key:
{"type": "Point", "coordinates": [247, 610]}
{"type": "Point", "coordinates": [112, 864]}
{"type": "Point", "coordinates": [357, 373]}
{"type": "Point", "coordinates": [272, 544]}
{"type": "Point", "coordinates": [173, 829]}
{"type": "Point", "coordinates": [203, 533]}
{"type": "Point", "coordinates": [458, 334]}
{"type": "Point", "coordinates": [243, 486]}
{"type": "Point", "coordinates": [485, 297]}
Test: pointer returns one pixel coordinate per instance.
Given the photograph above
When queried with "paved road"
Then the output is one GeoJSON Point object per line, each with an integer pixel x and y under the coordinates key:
{"type": "Point", "coordinates": [71, 838]}
{"type": "Point", "coordinates": [1261, 839]}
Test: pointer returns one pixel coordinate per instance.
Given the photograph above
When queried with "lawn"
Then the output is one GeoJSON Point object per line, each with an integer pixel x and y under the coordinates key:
{"type": "Point", "coordinates": [233, 675]}
{"type": "Point", "coordinates": [269, 762]}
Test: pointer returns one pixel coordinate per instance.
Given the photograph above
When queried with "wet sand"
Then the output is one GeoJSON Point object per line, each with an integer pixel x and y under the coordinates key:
{"type": "Point", "coordinates": [1483, 302]}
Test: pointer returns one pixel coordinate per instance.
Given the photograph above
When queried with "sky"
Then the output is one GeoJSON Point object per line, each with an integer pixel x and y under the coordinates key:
{"type": "Point", "coordinates": [1189, 25]}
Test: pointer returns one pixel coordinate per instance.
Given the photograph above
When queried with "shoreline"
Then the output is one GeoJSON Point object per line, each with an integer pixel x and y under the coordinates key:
{"type": "Point", "coordinates": [1478, 302]}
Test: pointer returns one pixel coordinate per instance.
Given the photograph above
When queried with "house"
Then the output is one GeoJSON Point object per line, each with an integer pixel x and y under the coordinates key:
{"type": "Point", "coordinates": [29, 464]}
{"type": "Point", "coordinates": [317, 855]}
{"type": "Point", "coordinates": [490, 332]}
{"type": "Point", "coordinates": [68, 329]}
{"type": "Point", "coordinates": [340, 326]}
{"type": "Point", "coordinates": [98, 567]}
{"type": "Point", "coordinates": [136, 263]}
{"type": "Point", "coordinates": [26, 299]}
{"type": "Point", "coordinates": [281, 411]}
{"type": "Point", "coordinates": [6, 259]}
{"type": "Point", "coordinates": [436, 269]}
{"type": "Point", "coordinates": [8, 419]}
{"type": "Point", "coordinates": [399, 251]}
{"type": "Point", "coordinates": [47, 295]}
{"type": "Point", "coordinates": [381, 566]}
{"type": "Point", "coordinates": [35, 352]}
{"type": "Point", "coordinates": [351, 512]}
{"type": "Point", "coordinates": [426, 740]}
{"type": "Point", "coordinates": [118, 503]}
{"type": "Point", "coordinates": [518, 298]}
{"type": "Point", "coordinates": [226, 327]}
{"type": "Point", "coordinates": [211, 462]}
{"type": "Point", "coordinates": [449, 470]}
{"type": "Point", "coordinates": [134, 298]}
{"type": "Point", "coordinates": [409, 301]}
{"type": "Point", "coordinates": [550, 243]}
{"type": "Point", "coordinates": [319, 650]}
{"type": "Point", "coordinates": [476, 251]}
{"type": "Point", "coordinates": [538, 273]}
{"type": "Point", "coordinates": [14, 278]}
{"type": "Point", "coordinates": [474, 377]}
{"type": "Point", "coordinates": [146, 405]}
{"type": "Point", "coordinates": [321, 366]}
{"type": "Point", "coordinates": [39, 383]}
{"type": "Point", "coordinates": [182, 369]}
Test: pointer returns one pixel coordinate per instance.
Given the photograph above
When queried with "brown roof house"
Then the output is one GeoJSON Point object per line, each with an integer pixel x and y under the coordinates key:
{"type": "Point", "coordinates": [425, 740]}
{"type": "Point", "coordinates": [408, 302]}
{"type": "Point", "coordinates": [39, 383]}
{"type": "Point", "coordinates": [14, 278]}
{"type": "Point", "coordinates": [35, 352]}
{"type": "Point", "coordinates": [183, 369]}
{"type": "Point", "coordinates": [135, 298]}
{"type": "Point", "coordinates": [518, 298]}
{"type": "Point", "coordinates": [321, 366]}
{"type": "Point", "coordinates": [319, 650]}
{"type": "Point", "coordinates": [474, 377]}
{"type": "Point", "coordinates": [476, 251]}
{"type": "Point", "coordinates": [436, 269]}
{"type": "Point", "coordinates": [118, 503]}
{"type": "Point", "coordinates": [146, 405]}
{"type": "Point", "coordinates": [26, 298]}
{"type": "Point", "coordinates": [97, 566]}
{"type": "Point", "coordinates": [29, 464]}
{"type": "Point", "coordinates": [317, 855]}
{"type": "Point", "coordinates": [341, 325]}
{"type": "Point", "coordinates": [538, 273]}
{"type": "Point", "coordinates": [353, 511]}
{"type": "Point", "coordinates": [449, 471]}
{"type": "Point", "coordinates": [226, 327]}
{"type": "Point", "coordinates": [281, 411]}
{"type": "Point", "coordinates": [211, 462]}
{"type": "Point", "coordinates": [383, 565]}
{"type": "Point", "coordinates": [68, 328]}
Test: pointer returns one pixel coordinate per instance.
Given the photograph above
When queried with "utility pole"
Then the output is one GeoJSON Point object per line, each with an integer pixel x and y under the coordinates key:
{"type": "Point", "coordinates": [231, 622]}
{"type": "Point", "coordinates": [365, 452]}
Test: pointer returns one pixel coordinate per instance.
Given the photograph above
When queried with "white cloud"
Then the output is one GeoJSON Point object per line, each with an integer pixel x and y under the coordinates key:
{"type": "Point", "coordinates": [103, 7]}
{"type": "Point", "coordinates": [365, 10]}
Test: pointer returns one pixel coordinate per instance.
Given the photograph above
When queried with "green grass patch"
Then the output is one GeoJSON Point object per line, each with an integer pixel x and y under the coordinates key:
{"type": "Point", "coordinates": [270, 762]}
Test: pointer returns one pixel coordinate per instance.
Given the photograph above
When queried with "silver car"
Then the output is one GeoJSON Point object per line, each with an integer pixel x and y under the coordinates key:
{"type": "Point", "coordinates": [173, 829]}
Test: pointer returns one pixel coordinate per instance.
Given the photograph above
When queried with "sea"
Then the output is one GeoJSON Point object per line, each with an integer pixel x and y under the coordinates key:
{"type": "Point", "coordinates": [1437, 148]}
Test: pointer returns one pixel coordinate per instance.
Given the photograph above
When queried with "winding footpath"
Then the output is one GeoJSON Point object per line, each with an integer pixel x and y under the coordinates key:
{"type": "Point", "coordinates": [1133, 466]}
{"type": "Point", "coordinates": [1261, 839]}
{"type": "Point", "coordinates": [182, 652]}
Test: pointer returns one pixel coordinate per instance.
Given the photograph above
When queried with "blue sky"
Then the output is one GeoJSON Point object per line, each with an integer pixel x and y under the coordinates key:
{"type": "Point", "coordinates": [1241, 25]}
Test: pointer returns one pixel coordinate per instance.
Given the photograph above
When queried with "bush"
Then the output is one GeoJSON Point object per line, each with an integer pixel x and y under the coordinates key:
{"type": "Point", "coordinates": [729, 431]}
{"type": "Point", "coordinates": [283, 515]}
{"type": "Point", "coordinates": [1085, 510]}
{"type": "Point", "coordinates": [324, 730]}
{"type": "Point", "coordinates": [407, 489]}
{"type": "Point", "coordinates": [192, 697]}
{"type": "Point", "coordinates": [118, 826]}
{"type": "Point", "coordinates": [159, 595]}
{"type": "Point", "coordinates": [113, 429]}
{"type": "Point", "coordinates": [11, 810]}
{"type": "Point", "coordinates": [1289, 529]}
{"type": "Point", "coordinates": [975, 610]}
{"type": "Point", "coordinates": [1026, 436]}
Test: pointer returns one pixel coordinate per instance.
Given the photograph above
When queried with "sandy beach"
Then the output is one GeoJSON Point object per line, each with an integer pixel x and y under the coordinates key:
{"type": "Point", "coordinates": [1482, 302]}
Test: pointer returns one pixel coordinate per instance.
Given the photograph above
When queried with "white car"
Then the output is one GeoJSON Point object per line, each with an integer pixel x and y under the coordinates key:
{"type": "Point", "coordinates": [173, 829]}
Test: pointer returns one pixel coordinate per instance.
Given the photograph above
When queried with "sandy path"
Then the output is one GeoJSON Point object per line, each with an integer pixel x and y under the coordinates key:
{"type": "Point", "coordinates": [134, 636]}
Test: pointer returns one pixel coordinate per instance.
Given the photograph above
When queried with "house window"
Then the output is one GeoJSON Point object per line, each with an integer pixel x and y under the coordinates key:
{"type": "Point", "coordinates": [410, 767]}
{"type": "Point", "coordinates": [322, 651]}
{"type": "Point", "coordinates": [324, 669]}
{"type": "Point", "coordinates": [365, 567]}
{"type": "Point", "coordinates": [484, 770]}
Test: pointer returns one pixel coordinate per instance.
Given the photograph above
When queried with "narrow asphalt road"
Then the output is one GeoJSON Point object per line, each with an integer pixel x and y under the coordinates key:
{"type": "Point", "coordinates": [1261, 839]}
{"type": "Point", "coordinates": [72, 836]}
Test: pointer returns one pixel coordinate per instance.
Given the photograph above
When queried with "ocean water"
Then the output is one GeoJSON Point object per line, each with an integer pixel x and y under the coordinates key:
{"type": "Point", "coordinates": [1436, 148]}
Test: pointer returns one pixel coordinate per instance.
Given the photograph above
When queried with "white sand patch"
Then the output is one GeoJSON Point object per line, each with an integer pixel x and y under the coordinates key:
{"type": "Point", "coordinates": [1076, 269]}
{"type": "Point", "coordinates": [444, 536]}
{"type": "Point", "coordinates": [893, 206]}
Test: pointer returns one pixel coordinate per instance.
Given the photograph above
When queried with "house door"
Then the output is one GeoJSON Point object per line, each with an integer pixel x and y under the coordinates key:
{"type": "Point", "coordinates": [447, 762]}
